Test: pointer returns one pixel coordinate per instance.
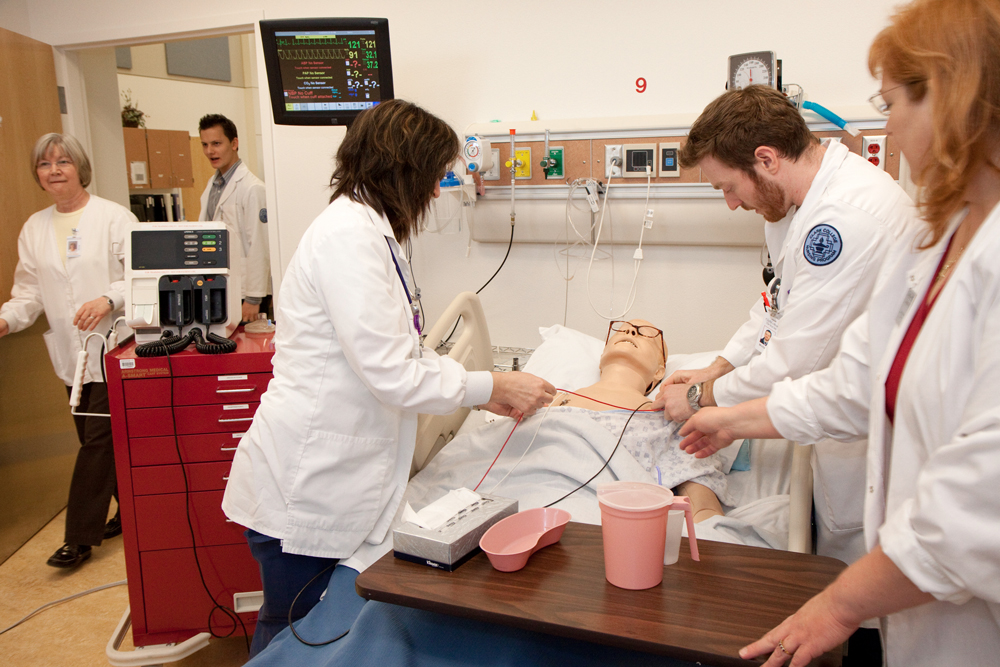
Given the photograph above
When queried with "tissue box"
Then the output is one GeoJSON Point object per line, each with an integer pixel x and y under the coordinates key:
{"type": "Point", "coordinates": [457, 540]}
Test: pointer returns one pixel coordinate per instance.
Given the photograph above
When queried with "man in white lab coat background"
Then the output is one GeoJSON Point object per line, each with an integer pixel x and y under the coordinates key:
{"type": "Point", "coordinates": [831, 216]}
{"type": "Point", "coordinates": [235, 196]}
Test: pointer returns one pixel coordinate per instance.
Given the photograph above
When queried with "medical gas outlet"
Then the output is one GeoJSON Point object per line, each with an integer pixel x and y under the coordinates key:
{"type": "Point", "coordinates": [522, 164]}
{"type": "Point", "coordinates": [873, 150]}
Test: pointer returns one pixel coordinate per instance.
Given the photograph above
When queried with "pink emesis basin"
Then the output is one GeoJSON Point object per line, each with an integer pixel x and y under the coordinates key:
{"type": "Point", "coordinates": [510, 542]}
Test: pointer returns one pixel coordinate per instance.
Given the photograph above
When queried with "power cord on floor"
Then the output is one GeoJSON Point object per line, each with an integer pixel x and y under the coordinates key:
{"type": "Point", "coordinates": [49, 605]}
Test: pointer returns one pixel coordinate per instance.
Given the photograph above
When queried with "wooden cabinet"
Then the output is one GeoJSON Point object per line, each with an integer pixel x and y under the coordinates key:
{"type": "Point", "coordinates": [166, 155]}
{"type": "Point", "coordinates": [135, 152]}
{"type": "Point", "coordinates": [176, 426]}
{"type": "Point", "coordinates": [180, 159]}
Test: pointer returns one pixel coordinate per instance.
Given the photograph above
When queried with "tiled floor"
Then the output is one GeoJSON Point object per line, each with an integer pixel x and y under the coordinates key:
{"type": "Point", "coordinates": [76, 632]}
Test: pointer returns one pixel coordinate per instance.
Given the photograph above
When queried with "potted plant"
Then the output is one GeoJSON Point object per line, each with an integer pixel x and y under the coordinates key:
{"type": "Point", "coordinates": [131, 115]}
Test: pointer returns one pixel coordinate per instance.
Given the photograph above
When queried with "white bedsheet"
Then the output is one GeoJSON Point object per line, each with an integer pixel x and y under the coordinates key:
{"type": "Point", "coordinates": [569, 449]}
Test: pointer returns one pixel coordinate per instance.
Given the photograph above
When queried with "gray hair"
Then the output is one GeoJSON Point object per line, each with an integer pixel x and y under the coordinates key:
{"type": "Point", "coordinates": [70, 147]}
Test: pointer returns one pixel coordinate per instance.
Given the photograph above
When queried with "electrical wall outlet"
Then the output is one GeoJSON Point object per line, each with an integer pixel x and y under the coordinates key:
{"type": "Point", "coordinates": [611, 153]}
{"type": "Point", "coordinates": [873, 150]}
{"type": "Point", "coordinates": [638, 159]}
{"type": "Point", "coordinates": [494, 173]}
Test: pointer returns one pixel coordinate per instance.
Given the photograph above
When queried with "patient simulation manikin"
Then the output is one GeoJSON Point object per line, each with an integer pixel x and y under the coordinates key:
{"type": "Point", "coordinates": [632, 363]}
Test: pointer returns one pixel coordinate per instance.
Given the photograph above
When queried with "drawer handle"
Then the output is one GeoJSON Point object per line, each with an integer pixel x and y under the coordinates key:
{"type": "Point", "coordinates": [228, 449]}
{"type": "Point", "coordinates": [230, 521]}
{"type": "Point", "coordinates": [236, 419]}
{"type": "Point", "coordinates": [234, 391]}
{"type": "Point", "coordinates": [225, 478]}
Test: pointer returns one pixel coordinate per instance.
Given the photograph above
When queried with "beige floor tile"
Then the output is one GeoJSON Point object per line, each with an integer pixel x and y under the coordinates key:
{"type": "Point", "coordinates": [76, 632]}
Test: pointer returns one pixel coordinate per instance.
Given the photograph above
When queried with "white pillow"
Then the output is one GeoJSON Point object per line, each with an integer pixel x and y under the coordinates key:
{"type": "Point", "coordinates": [569, 359]}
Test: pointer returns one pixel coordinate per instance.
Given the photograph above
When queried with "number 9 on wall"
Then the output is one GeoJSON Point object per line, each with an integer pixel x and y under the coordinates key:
{"type": "Point", "coordinates": [640, 85]}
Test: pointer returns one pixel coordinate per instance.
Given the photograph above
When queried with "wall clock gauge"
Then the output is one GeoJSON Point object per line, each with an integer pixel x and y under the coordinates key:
{"type": "Point", "coordinates": [747, 69]}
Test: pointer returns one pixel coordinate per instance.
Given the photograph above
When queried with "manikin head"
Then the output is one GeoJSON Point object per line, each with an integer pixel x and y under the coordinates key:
{"type": "Point", "coordinates": [638, 346]}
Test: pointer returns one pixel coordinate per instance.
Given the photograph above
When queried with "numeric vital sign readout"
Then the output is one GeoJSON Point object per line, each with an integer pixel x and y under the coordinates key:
{"type": "Point", "coordinates": [329, 71]}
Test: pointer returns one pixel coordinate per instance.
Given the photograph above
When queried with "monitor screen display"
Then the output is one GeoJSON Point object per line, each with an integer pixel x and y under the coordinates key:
{"type": "Point", "coordinates": [326, 71]}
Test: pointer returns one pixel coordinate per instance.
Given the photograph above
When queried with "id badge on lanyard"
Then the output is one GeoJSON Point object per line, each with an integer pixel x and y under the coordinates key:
{"type": "Point", "coordinates": [772, 316]}
{"type": "Point", "coordinates": [73, 245]}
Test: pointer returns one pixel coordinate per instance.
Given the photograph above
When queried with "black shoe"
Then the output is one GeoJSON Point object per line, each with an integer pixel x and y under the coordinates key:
{"type": "Point", "coordinates": [114, 527]}
{"type": "Point", "coordinates": [69, 555]}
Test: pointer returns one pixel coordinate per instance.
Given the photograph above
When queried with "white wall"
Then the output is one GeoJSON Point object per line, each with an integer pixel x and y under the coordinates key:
{"type": "Point", "coordinates": [107, 148]}
{"type": "Point", "coordinates": [566, 59]}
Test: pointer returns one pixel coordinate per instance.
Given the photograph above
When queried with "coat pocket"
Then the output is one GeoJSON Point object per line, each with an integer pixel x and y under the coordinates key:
{"type": "Point", "coordinates": [339, 480]}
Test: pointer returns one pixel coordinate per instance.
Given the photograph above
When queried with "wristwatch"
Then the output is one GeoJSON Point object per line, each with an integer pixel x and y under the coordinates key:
{"type": "Point", "coordinates": [110, 303]}
{"type": "Point", "coordinates": [694, 395]}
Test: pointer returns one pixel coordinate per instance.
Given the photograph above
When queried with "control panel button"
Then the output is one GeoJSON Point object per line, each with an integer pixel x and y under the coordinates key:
{"type": "Point", "coordinates": [208, 249]}
{"type": "Point", "coordinates": [190, 263]}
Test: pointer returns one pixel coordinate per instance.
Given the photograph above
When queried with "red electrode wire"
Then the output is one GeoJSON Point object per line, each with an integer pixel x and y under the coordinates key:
{"type": "Point", "coordinates": [500, 452]}
{"type": "Point", "coordinates": [561, 391]}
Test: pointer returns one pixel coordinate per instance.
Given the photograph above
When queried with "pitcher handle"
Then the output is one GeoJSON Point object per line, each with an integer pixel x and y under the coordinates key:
{"type": "Point", "coordinates": [684, 503]}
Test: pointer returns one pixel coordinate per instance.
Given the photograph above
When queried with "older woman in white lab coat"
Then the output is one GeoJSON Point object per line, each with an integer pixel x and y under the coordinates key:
{"type": "Point", "coordinates": [919, 372]}
{"type": "Point", "coordinates": [70, 267]}
{"type": "Point", "coordinates": [323, 467]}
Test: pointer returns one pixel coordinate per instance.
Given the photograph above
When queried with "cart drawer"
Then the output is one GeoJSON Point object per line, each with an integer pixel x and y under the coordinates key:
{"type": "Point", "coordinates": [149, 480]}
{"type": "Point", "coordinates": [162, 450]}
{"type": "Point", "coordinates": [161, 521]}
{"type": "Point", "coordinates": [175, 599]}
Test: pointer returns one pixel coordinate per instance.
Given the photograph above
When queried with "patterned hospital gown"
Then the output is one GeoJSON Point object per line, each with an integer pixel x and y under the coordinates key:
{"type": "Point", "coordinates": [654, 442]}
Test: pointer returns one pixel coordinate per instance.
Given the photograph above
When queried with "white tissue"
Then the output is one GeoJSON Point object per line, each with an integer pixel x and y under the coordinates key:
{"type": "Point", "coordinates": [438, 512]}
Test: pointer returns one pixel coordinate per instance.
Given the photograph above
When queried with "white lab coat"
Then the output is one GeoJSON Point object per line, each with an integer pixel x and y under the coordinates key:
{"type": "Point", "coordinates": [325, 462]}
{"type": "Point", "coordinates": [243, 207]}
{"type": "Point", "coordinates": [43, 283]}
{"type": "Point", "coordinates": [932, 498]}
{"type": "Point", "coordinates": [817, 303]}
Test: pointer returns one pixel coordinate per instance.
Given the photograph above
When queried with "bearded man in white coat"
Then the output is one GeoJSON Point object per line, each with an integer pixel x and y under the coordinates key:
{"type": "Point", "coordinates": [831, 216]}
{"type": "Point", "coordinates": [236, 197]}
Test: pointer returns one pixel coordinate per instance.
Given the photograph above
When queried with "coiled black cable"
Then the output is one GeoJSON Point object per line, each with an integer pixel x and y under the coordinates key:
{"type": "Point", "coordinates": [216, 344]}
{"type": "Point", "coordinates": [169, 343]}
{"type": "Point", "coordinates": [172, 344]}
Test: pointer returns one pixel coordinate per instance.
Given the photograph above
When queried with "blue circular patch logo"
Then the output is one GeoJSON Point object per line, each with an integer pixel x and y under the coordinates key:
{"type": "Point", "coordinates": [262, 216]}
{"type": "Point", "coordinates": [823, 245]}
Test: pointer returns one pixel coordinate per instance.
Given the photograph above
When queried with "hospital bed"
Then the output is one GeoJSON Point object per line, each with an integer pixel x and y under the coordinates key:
{"type": "Point", "coordinates": [773, 500]}
{"type": "Point", "coordinates": [775, 490]}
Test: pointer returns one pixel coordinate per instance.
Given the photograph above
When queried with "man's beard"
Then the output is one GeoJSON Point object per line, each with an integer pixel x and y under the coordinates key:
{"type": "Point", "coordinates": [770, 199]}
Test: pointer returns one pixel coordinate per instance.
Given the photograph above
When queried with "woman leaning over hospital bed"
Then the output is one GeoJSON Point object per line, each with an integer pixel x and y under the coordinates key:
{"type": "Point", "coordinates": [919, 371]}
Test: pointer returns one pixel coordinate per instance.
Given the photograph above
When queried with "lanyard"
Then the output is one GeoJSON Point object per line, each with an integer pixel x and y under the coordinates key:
{"type": "Point", "coordinates": [399, 272]}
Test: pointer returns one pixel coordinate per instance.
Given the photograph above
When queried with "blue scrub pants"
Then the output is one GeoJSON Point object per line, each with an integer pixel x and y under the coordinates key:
{"type": "Point", "coordinates": [282, 577]}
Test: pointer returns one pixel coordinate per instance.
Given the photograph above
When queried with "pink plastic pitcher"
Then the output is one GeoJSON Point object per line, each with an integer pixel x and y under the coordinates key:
{"type": "Point", "coordinates": [634, 528]}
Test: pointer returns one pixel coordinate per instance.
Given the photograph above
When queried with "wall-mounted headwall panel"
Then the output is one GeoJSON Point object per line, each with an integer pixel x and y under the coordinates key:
{"type": "Point", "coordinates": [687, 210]}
